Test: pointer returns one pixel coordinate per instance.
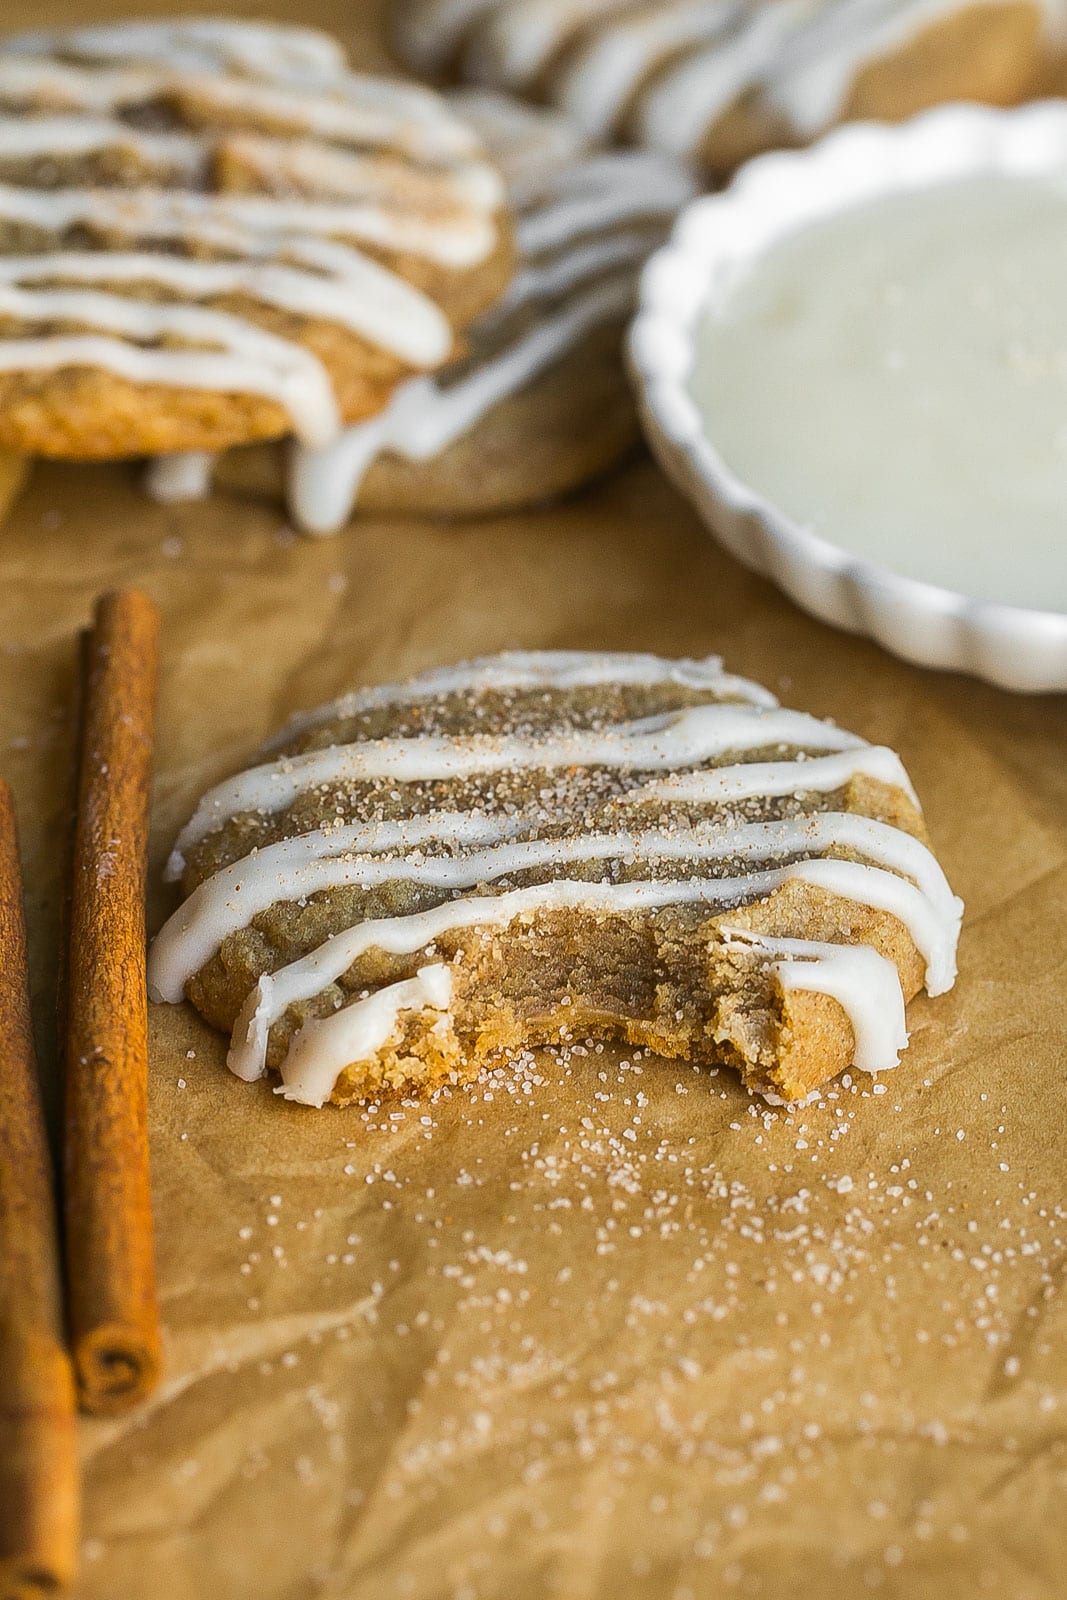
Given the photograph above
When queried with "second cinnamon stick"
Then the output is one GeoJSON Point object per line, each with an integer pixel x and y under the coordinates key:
{"type": "Point", "coordinates": [111, 1277]}
{"type": "Point", "coordinates": [38, 1447]}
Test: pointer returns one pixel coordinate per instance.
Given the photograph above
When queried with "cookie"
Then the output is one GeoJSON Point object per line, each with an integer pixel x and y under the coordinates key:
{"type": "Point", "coordinates": [539, 403]}
{"type": "Point", "coordinates": [552, 846]}
{"type": "Point", "coordinates": [720, 80]}
{"type": "Point", "coordinates": [212, 232]}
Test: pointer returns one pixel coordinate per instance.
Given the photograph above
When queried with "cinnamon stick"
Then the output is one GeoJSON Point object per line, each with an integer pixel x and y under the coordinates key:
{"type": "Point", "coordinates": [38, 1451]}
{"type": "Point", "coordinates": [114, 1314]}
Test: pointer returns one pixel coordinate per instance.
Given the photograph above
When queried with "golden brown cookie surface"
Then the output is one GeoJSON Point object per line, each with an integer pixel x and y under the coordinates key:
{"type": "Point", "coordinates": [552, 845]}
{"type": "Point", "coordinates": [212, 232]}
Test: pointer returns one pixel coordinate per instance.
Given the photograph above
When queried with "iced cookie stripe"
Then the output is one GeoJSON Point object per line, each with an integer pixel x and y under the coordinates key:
{"type": "Point", "coordinates": [428, 36]}
{"type": "Point", "coordinates": [341, 107]}
{"type": "Point", "coordinates": [361, 296]}
{"type": "Point", "coordinates": [195, 44]}
{"type": "Point", "coordinates": [22, 138]}
{"type": "Point", "coordinates": [243, 356]}
{"type": "Point", "coordinates": [521, 670]}
{"type": "Point", "coordinates": [174, 158]}
{"type": "Point", "coordinates": [516, 42]}
{"type": "Point", "coordinates": [143, 214]}
{"type": "Point", "coordinates": [603, 192]}
{"type": "Point", "coordinates": [218, 908]}
{"type": "Point", "coordinates": [360, 164]}
{"type": "Point", "coordinates": [678, 739]}
{"type": "Point", "coordinates": [717, 787]}
{"type": "Point", "coordinates": [599, 79]}
{"type": "Point", "coordinates": [689, 98]}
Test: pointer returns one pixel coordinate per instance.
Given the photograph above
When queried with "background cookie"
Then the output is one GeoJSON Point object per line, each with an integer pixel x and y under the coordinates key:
{"type": "Point", "coordinates": [720, 82]}
{"type": "Point", "coordinates": [540, 402]}
{"type": "Point", "coordinates": [211, 232]}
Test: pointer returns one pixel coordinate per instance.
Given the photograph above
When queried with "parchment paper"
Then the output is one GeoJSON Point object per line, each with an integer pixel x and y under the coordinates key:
{"type": "Point", "coordinates": [604, 1327]}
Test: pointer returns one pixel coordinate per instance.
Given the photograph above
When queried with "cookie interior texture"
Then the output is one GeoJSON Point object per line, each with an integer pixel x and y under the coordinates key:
{"type": "Point", "coordinates": [722, 83]}
{"type": "Point", "coordinates": [553, 846]}
{"type": "Point", "coordinates": [213, 232]}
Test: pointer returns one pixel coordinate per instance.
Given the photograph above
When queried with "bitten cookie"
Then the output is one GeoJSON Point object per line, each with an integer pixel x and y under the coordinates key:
{"type": "Point", "coordinates": [539, 402]}
{"type": "Point", "coordinates": [212, 232]}
{"type": "Point", "coordinates": [720, 80]}
{"type": "Point", "coordinates": [540, 847]}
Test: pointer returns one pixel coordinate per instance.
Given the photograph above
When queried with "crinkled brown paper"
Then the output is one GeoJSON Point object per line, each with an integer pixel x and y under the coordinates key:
{"type": "Point", "coordinates": [604, 1327]}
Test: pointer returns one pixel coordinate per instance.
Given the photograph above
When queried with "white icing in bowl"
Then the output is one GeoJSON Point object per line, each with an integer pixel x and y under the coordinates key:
{"type": "Point", "coordinates": [716, 240]}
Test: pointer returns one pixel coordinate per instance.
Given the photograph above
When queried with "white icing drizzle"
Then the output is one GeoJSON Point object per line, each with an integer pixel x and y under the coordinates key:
{"type": "Point", "coordinates": [530, 146]}
{"type": "Point", "coordinates": [455, 856]}
{"type": "Point", "coordinates": [398, 171]}
{"type": "Point", "coordinates": [717, 786]}
{"type": "Point", "coordinates": [683, 104]}
{"type": "Point", "coordinates": [603, 192]}
{"type": "Point", "coordinates": [353, 291]}
{"type": "Point", "coordinates": [863, 982]}
{"type": "Point", "coordinates": [809, 84]}
{"type": "Point", "coordinates": [230, 900]}
{"type": "Point", "coordinates": [519, 670]}
{"type": "Point", "coordinates": [720, 785]}
{"type": "Point", "coordinates": [166, 214]}
{"type": "Point", "coordinates": [748, 780]}
{"type": "Point", "coordinates": [363, 1029]}
{"type": "Point", "coordinates": [243, 356]}
{"type": "Point", "coordinates": [515, 42]}
{"type": "Point", "coordinates": [22, 138]}
{"type": "Point", "coordinates": [595, 86]}
{"type": "Point", "coordinates": [425, 417]}
{"type": "Point", "coordinates": [559, 275]}
{"type": "Point", "coordinates": [340, 106]}
{"type": "Point", "coordinates": [677, 739]}
{"type": "Point", "coordinates": [196, 44]}
{"type": "Point", "coordinates": [177, 478]}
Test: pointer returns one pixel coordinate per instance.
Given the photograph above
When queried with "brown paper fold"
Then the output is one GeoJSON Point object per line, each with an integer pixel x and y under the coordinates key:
{"type": "Point", "coordinates": [601, 1327]}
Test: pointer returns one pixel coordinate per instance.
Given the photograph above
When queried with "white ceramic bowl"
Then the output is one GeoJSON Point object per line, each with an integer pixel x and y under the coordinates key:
{"type": "Point", "coordinates": [773, 195]}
